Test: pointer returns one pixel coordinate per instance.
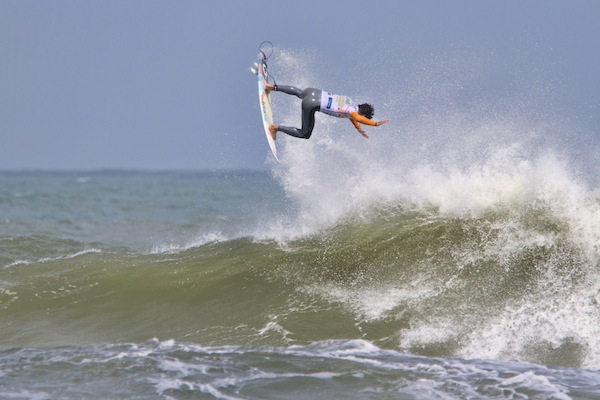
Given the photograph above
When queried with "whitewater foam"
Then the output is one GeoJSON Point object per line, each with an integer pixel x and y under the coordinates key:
{"type": "Point", "coordinates": [177, 247]}
{"type": "Point", "coordinates": [52, 259]}
{"type": "Point", "coordinates": [461, 158]}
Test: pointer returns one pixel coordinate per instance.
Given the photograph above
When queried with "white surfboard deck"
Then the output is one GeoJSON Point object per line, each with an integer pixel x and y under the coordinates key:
{"type": "Point", "coordinates": [265, 102]}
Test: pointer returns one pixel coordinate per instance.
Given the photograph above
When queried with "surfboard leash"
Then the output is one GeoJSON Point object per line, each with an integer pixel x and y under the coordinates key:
{"type": "Point", "coordinates": [266, 57]}
{"type": "Point", "coordinates": [260, 48]}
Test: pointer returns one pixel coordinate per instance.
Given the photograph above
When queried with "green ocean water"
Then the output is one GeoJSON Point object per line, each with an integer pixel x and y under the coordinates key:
{"type": "Point", "coordinates": [232, 285]}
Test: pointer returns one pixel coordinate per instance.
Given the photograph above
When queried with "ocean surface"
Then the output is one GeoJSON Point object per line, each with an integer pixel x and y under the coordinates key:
{"type": "Point", "coordinates": [231, 285]}
{"type": "Point", "coordinates": [453, 255]}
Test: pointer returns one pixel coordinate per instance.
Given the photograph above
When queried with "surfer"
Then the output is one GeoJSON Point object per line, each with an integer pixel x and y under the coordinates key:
{"type": "Point", "coordinates": [314, 100]}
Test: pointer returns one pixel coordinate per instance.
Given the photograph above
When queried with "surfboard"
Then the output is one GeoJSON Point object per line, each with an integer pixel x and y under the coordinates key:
{"type": "Point", "coordinates": [265, 102]}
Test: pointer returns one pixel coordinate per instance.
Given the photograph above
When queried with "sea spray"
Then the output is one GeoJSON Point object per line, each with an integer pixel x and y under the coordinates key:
{"type": "Point", "coordinates": [518, 226]}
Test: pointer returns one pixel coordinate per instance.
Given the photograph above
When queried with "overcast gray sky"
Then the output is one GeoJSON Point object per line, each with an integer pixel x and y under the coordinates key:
{"type": "Point", "coordinates": [165, 84]}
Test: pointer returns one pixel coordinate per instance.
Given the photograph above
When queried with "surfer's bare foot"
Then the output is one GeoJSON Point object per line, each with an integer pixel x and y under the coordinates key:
{"type": "Point", "coordinates": [269, 87]}
{"type": "Point", "coordinates": [273, 131]}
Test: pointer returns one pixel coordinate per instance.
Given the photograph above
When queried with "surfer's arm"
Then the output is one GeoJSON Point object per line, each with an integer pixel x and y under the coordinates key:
{"type": "Point", "coordinates": [358, 127]}
{"type": "Point", "coordinates": [358, 119]}
{"type": "Point", "coordinates": [366, 121]}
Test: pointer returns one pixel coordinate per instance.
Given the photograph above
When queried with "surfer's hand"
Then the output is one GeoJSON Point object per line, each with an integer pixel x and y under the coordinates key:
{"type": "Point", "coordinates": [385, 121]}
{"type": "Point", "coordinates": [362, 132]}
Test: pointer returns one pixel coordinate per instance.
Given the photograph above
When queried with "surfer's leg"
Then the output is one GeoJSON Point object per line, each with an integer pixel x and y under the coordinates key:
{"type": "Point", "coordinates": [308, 123]}
{"type": "Point", "coordinates": [311, 103]}
{"type": "Point", "coordinates": [288, 90]}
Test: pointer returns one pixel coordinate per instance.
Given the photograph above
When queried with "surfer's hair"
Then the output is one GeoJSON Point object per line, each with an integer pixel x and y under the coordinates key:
{"type": "Point", "coordinates": [366, 109]}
